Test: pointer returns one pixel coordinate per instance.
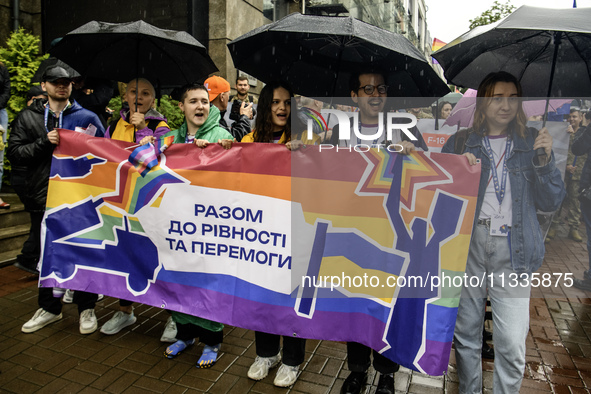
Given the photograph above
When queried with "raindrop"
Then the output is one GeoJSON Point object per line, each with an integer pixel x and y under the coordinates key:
{"type": "Point", "coordinates": [422, 73]}
{"type": "Point", "coordinates": [273, 50]}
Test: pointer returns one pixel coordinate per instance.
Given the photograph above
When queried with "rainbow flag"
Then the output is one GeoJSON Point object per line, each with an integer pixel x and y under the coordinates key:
{"type": "Point", "coordinates": [145, 157]}
{"type": "Point", "coordinates": [344, 246]}
{"type": "Point", "coordinates": [437, 45]}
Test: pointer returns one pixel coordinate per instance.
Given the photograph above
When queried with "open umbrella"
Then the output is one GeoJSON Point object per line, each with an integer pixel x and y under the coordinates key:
{"type": "Point", "coordinates": [548, 50]}
{"type": "Point", "coordinates": [317, 55]}
{"type": "Point", "coordinates": [123, 51]}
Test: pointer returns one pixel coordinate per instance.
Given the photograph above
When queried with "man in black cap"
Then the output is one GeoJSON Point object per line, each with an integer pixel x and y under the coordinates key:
{"type": "Point", "coordinates": [35, 92]}
{"type": "Point", "coordinates": [30, 149]}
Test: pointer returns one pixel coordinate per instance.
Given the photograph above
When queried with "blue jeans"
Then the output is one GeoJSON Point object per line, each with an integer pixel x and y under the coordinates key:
{"type": "Point", "coordinates": [4, 123]}
{"type": "Point", "coordinates": [510, 309]}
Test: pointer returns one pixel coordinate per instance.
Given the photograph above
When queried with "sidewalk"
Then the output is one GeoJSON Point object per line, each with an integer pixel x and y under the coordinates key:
{"type": "Point", "coordinates": [59, 359]}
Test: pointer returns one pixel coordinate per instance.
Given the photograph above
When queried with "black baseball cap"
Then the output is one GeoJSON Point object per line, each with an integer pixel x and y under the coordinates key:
{"type": "Point", "coordinates": [52, 74]}
{"type": "Point", "coordinates": [35, 91]}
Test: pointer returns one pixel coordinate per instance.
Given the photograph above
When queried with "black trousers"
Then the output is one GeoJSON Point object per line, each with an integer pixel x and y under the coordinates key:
{"type": "Point", "coordinates": [294, 349]}
{"type": "Point", "coordinates": [358, 359]}
{"type": "Point", "coordinates": [53, 305]}
{"type": "Point", "coordinates": [189, 331]}
{"type": "Point", "coordinates": [31, 250]}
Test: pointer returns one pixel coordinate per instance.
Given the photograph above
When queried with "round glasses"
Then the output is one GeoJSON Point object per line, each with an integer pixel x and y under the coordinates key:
{"type": "Point", "coordinates": [369, 89]}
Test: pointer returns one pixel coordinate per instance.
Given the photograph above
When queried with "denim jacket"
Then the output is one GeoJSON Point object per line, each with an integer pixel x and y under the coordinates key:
{"type": "Point", "coordinates": [532, 187]}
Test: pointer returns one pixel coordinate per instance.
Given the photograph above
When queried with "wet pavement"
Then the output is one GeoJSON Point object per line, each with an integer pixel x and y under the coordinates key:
{"type": "Point", "coordinates": [58, 358]}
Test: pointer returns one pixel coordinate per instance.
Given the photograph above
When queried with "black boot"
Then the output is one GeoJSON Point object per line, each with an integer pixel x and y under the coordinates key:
{"type": "Point", "coordinates": [354, 383]}
{"type": "Point", "coordinates": [385, 384]}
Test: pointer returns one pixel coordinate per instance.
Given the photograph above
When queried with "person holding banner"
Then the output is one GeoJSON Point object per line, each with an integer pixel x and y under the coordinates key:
{"type": "Point", "coordinates": [273, 124]}
{"type": "Point", "coordinates": [507, 245]}
{"type": "Point", "coordinates": [139, 119]}
{"type": "Point", "coordinates": [201, 127]}
{"type": "Point", "coordinates": [30, 149]}
{"type": "Point", "coordinates": [136, 122]}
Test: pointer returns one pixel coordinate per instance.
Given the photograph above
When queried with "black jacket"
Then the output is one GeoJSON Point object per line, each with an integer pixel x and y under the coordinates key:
{"type": "Point", "coordinates": [4, 86]}
{"type": "Point", "coordinates": [239, 128]}
{"type": "Point", "coordinates": [30, 151]}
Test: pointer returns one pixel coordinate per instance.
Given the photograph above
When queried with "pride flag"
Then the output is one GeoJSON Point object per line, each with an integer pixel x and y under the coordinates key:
{"type": "Point", "coordinates": [437, 45]}
{"type": "Point", "coordinates": [344, 246]}
{"type": "Point", "coordinates": [145, 157]}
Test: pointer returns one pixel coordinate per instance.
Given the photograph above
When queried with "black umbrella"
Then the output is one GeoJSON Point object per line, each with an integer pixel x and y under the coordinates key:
{"type": "Point", "coordinates": [548, 50]}
{"type": "Point", "coordinates": [123, 51]}
{"type": "Point", "coordinates": [318, 54]}
{"type": "Point", "coordinates": [50, 62]}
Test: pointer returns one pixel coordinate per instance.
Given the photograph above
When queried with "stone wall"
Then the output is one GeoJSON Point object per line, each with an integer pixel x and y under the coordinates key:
{"type": "Point", "coordinates": [29, 18]}
{"type": "Point", "coordinates": [229, 20]}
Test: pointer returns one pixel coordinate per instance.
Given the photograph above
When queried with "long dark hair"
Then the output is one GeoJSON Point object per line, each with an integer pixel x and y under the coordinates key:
{"type": "Point", "coordinates": [484, 97]}
{"type": "Point", "coordinates": [263, 125]}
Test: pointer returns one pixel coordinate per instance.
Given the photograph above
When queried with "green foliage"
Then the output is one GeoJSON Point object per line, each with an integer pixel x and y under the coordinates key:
{"type": "Point", "coordinates": [496, 12]}
{"type": "Point", "coordinates": [170, 109]}
{"type": "Point", "coordinates": [21, 58]}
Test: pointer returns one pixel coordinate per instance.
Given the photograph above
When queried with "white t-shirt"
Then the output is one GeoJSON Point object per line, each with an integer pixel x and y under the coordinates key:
{"type": "Point", "coordinates": [490, 205]}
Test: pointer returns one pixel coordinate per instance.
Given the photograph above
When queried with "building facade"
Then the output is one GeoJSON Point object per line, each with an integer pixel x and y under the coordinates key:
{"type": "Point", "coordinates": [214, 23]}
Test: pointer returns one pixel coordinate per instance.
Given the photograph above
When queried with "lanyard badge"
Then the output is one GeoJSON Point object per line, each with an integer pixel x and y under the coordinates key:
{"type": "Point", "coordinates": [498, 221]}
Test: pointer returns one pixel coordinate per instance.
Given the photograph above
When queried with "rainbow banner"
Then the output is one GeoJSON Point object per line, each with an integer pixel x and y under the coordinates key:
{"type": "Point", "coordinates": [344, 246]}
{"type": "Point", "coordinates": [437, 45]}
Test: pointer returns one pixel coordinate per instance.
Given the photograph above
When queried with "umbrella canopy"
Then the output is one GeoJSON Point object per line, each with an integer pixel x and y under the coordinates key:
{"type": "Point", "coordinates": [548, 50]}
{"type": "Point", "coordinates": [463, 113]}
{"type": "Point", "coordinates": [452, 98]}
{"type": "Point", "coordinates": [50, 62]}
{"type": "Point", "coordinates": [123, 51]}
{"type": "Point", "coordinates": [317, 55]}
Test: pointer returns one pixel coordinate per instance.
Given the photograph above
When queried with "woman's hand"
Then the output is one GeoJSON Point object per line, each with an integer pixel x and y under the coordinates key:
{"type": "Point", "coordinates": [148, 140]}
{"type": "Point", "coordinates": [226, 144]}
{"type": "Point", "coordinates": [472, 160]}
{"type": "Point", "coordinates": [407, 147]}
{"type": "Point", "coordinates": [294, 145]}
{"type": "Point", "coordinates": [544, 140]}
{"type": "Point", "coordinates": [138, 120]}
{"type": "Point", "coordinates": [201, 143]}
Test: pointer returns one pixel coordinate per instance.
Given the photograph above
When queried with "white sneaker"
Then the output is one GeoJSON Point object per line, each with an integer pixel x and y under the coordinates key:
{"type": "Point", "coordinates": [286, 375]}
{"type": "Point", "coordinates": [40, 319]}
{"type": "Point", "coordinates": [88, 323]}
{"type": "Point", "coordinates": [260, 368]}
{"type": "Point", "coordinates": [68, 297]}
{"type": "Point", "coordinates": [169, 333]}
{"type": "Point", "coordinates": [118, 322]}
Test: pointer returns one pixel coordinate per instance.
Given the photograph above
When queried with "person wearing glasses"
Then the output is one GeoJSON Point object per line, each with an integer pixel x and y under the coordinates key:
{"type": "Point", "coordinates": [369, 93]}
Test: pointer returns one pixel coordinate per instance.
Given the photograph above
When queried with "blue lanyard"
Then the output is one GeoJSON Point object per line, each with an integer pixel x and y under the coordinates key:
{"type": "Point", "coordinates": [500, 188]}
{"type": "Point", "coordinates": [59, 122]}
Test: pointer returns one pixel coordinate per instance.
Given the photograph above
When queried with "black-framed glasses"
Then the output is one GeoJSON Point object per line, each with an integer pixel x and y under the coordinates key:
{"type": "Point", "coordinates": [369, 89]}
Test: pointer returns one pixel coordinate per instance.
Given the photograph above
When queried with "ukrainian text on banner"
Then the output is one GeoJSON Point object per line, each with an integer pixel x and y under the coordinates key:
{"type": "Point", "coordinates": [229, 235]}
